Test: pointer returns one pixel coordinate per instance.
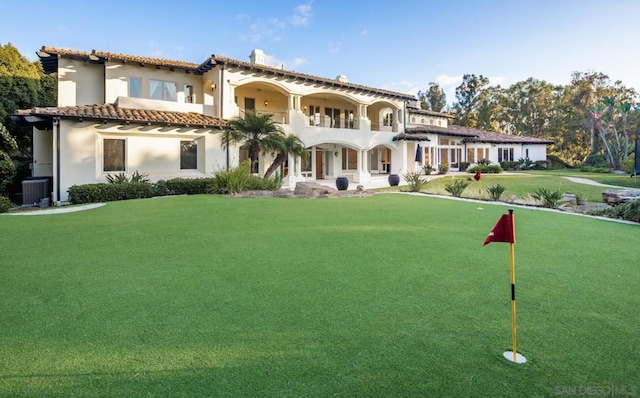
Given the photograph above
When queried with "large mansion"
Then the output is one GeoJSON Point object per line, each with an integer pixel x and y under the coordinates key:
{"type": "Point", "coordinates": [123, 113]}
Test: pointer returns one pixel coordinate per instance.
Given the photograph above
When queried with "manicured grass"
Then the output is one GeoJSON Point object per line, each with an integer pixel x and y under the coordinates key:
{"type": "Point", "coordinates": [391, 295]}
{"type": "Point", "coordinates": [523, 184]}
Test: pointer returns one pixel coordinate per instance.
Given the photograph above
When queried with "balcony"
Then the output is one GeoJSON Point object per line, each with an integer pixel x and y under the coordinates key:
{"type": "Point", "coordinates": [318, 120]}
{"type": "Point", "coordinates": [277, 117]}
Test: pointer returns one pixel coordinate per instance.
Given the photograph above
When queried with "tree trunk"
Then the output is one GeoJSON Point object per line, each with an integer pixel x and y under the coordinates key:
{"type": "Point", "coordinates": [277, 162]}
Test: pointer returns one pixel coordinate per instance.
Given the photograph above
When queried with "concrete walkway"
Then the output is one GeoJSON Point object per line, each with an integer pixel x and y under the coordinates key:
{"type": "Point", "coordinates": [35, 211]}
{"type": "Point", "coordinates": [590, 182]}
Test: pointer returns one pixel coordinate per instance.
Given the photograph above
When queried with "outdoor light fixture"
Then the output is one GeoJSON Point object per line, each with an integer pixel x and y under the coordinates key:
{"type": "Point", "coordinates": [336, 153]}
{"type": "Point", "coordinates": [214, 86]}
{"type": "Point", "coordinates": [266, 103]}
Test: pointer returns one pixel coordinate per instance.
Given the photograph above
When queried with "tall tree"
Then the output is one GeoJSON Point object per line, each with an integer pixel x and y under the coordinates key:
{"type": "Point", "coordinates": [256, 132]}
{"type": "Point", "coordinates": [587, 88]}
{"type": "Point", "coordinates": [467, 93]}
{"type": "Point", "coordinates": [23, 85]}
{"type": "Point", "coordinates": [434, 99]}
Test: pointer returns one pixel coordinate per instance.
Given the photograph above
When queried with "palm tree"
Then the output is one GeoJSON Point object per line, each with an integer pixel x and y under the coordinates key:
{"type": "Point", "coordinates": [289, 145]}
{"type": "Point", "coordinates": [257, 133]}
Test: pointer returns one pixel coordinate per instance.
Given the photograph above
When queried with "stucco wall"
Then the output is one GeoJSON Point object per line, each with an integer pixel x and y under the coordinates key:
{"type": "Point", "coordinates": [117, 81]}
{"type": "Point", "coordinates": [149, 150]}
{"type": "Point", "coordinates": [79, 83]}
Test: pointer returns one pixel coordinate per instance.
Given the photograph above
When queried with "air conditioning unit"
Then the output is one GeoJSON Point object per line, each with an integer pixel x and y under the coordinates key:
{"type": "Point", "coordinates": [33, 191]}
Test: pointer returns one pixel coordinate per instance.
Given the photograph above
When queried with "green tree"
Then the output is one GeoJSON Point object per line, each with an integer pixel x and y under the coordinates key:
{"type": "Point", "coordinates": [23, 85]}
{"type": "Point", "coordinates": [467, 94]}
{"type": "Point", "coordinates": [7, 168]}
{"type": "Point", "coordinates": [611, 121]}
{"type": "Point", "coordinates": [255, 132]}
{"type": "Point", "coordinates": [289, 145]}
{"type": "Point", "coordinates": [433, 99]}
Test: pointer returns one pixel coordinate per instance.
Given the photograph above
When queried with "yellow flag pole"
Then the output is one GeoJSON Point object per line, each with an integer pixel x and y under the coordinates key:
{"type": "Point", "coordinates": [516, 358]}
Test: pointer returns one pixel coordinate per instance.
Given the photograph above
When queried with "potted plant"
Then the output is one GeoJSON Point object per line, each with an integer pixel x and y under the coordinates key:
{"type": "Point", "coordinates": [581, 200]}
{"type": "Point", "coordinates": [394, 180]}
{"type": "Point", "coordinates": [342, 183]}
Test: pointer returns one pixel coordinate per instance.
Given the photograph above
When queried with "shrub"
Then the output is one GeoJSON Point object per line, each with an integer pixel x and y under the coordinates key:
{"type": "Point", "coordinates": [238, 179]}
{"type": "Point", "coordinates": [464, 166]}
{"type": "Point", "coordinates": [137, 177]}
{"type": "Point", "coordinates": [596, 159]}
{"type": "Point", "coordinates": [7, 172]}
{"type": "Point", "coordinates": [443, 168]}
{"type": "Point", "coordinates": [484, 162]}
{"type": "Point", "coordinates": [183, 186]}
{"type": "Point", "coordinates": [486, 169]}
{"type": "Point", "coordinates": [525, 163]}
{"type": "Point", "coordinates": [495, 191]}
{"type": "Point", "coordinates": [456, 187]}
{"type": "Point", "coordinates": [5, 204]}
{"type": "Point", "coordinates": [555, 162]}
{"type": "Point", "coordinates": [629, 163]}
{"type": "Point", "coordinates": [94, 193]}
{"type": "Point", "coordinates": [428, 169]}
{"type": "Point", "coordinates": [627, 211]}
{"type": "Point", "coordinates": [510, 165]}
{"type": "Point", "coordinates": [414, 181]}
{"type": "Point", "coordinates": [540, 165]}
{"type": "Point", "coordinates": [119, 178]}
{"type": "Point", "coordinates": [592, 169]}
{"type": "Point", "coordinates": [548, 197]}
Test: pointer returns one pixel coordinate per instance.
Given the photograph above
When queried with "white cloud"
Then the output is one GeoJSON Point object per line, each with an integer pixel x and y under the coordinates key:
{"type": "Point", "coordinates": [270, 29]}
{"type": "Point", "coordinates": [446, 80]}
{"type": "Point", "coordinates": [288, 65]}
{"type": "Point", "coordinates": [333, 47]}
{"type": "Point", "coordinates": [301, 15]}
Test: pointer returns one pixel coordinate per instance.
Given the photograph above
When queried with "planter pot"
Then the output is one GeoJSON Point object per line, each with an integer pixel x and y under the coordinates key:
{"type": "Point", "coordinates": [342, 183]}
{"type": "Point", "coordinates": [394, 179]}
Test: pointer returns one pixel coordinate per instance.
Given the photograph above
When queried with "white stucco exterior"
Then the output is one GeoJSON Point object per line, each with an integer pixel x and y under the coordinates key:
{"type": "Point", "coordinates": [349, 130]}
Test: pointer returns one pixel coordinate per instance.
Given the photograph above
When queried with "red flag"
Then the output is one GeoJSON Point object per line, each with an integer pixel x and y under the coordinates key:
{"type": "Point", "coordinates": [478, 176]}
{"type": "Point", "coordinates": [503, 231]}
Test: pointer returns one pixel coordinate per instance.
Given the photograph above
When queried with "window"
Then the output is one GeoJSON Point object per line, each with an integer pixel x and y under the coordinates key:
{"type": "Point", "coordinates": [188, 94]}
{"type": "Point", "coordinates": [505, 155]}
{"type": "Point", "coordinates": [444, 141]}
{"type": "Point", "coordinates": [249, 105]}
{"type": "Point", "coordinates": [306, 164]}
{"type": "Point", "coordinates": [349, 159]}
{"type": "Point", "coordinates": [471, 155]}
{"type": "Point", "coordinates": [161, 90]}
{"type": "Point", "coordinates": [113, 155]}
{"type": "Point", "coordinates": [387, 120]}
{"type": "Point", "coordinates": [413, 119]}
{"type": "Point", "coordinates": [188, 155]}
{"type": "Point", "coordinates": [135, 87]}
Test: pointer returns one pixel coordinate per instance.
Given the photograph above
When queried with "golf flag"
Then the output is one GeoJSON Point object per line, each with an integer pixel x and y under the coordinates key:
{"type": "Point", "coordinates": [503, 231]}
{"type": "Point", "coordinates": [478, 177]}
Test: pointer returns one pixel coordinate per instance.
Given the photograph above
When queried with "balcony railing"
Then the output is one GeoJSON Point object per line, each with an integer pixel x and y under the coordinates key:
{"type": "Point", "coordinates": [375, 126]}
{"type": "Point", "coordinates": [329, 122]}
{"type": "Point", "coordinates": [277, 117]}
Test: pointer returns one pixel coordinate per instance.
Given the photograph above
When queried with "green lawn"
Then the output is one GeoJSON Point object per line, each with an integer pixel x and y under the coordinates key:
{"type": "Point", "coordinates": [388, 296]}
{"type": "Point", "coordinates": [522, 184]}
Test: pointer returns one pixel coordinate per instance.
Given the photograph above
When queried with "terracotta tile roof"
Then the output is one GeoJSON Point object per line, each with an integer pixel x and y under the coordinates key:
{"type": "Point", "coordinates": [111, 112]}
{"type": "Point", "coordinates": [469, 134]}
{"type": "Point", "coordinates": [50, 65]}
{"type": "Point", "coordinates": [98, 56]}
{"type": "Point", "coordinates": [418, 111]}
{"type": "Point", "coordinates": [278, 72]}
{"type": "Point", "coordinates": [497, 138]}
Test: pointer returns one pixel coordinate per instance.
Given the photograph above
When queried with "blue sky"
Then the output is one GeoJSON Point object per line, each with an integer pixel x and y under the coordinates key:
{"type": "Point", "coordinates": [397, 45]}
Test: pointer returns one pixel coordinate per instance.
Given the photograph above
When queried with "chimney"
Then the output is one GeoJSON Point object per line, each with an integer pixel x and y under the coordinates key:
{"type": "Point", "coordinates": [342, 79]}
{"type": "Point", "coordinates": [257, 57]}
